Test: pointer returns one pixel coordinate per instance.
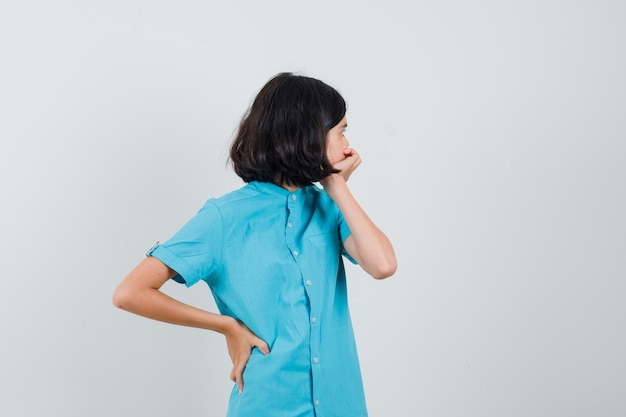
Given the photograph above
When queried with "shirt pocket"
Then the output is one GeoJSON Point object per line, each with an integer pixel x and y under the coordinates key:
{"type": "Point", "coordinates": [324, 251]}
{"type": "Point", "coordinates": [324, 239]}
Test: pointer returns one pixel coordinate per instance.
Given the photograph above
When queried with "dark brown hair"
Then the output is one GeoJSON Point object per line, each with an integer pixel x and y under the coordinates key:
{"type": "Point", "coordinates": [282, 136]}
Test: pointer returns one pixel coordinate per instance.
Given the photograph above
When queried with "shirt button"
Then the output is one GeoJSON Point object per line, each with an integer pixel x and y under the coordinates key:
{"type": "Point", "coordinates": [315, 360]}
{"type": "Point", "coordinates": [296, 253]}
{"type": "Point", "coordinates": [293, 196]}
{"type": "Point", "coordinates": [289, 224]}
{"type": "Point", "coordinates": [317, 402]}
{"type": "Point", "coordinates": [313, 320]}
{"type": "Point", "coordinates": [307, 282]}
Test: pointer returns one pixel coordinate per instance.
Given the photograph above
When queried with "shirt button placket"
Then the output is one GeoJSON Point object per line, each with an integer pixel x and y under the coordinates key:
{"type": "Point", "coordinates": [314, 346]}
{"type": "Point", "coordinates": [290, 231]}
{"type": "Point", "coordinates": [293, 210]}
{"type": "Point", "coordinates": [315, 329]}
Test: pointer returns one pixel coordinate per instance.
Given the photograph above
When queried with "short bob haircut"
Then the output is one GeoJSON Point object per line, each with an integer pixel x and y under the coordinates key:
{"type": "Point", "coordinates": [282, 136]}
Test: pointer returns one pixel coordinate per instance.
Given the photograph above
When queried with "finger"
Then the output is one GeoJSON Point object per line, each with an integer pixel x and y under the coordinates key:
{"type": "Point", "coordinates": [345, 164]}
{"type": "Point", "coordinates": [236, 375]}
{"type": "Point", "coordinates": [354, 158]}
{"type": "Point", "coordinates": [240, 384]}
{"type": "Point", "coordinates": [262, 346]}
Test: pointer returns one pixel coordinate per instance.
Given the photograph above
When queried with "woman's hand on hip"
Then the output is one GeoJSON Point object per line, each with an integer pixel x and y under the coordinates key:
{"type": "Point", "coordinates": [240, 341]}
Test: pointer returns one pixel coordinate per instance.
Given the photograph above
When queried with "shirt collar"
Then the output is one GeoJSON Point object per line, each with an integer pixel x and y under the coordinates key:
{"type": "Point", "coordinates": [271, 188]}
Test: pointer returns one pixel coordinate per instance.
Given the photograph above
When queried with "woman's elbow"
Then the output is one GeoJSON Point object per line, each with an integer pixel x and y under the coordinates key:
{"type": "Point", "coordinates": [122, 297]}
{"type": "Point", "coordinates": [385, 269]}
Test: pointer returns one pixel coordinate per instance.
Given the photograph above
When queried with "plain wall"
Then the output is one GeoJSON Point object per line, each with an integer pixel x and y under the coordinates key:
{"type": "Point", "coordinates": [493, 139]}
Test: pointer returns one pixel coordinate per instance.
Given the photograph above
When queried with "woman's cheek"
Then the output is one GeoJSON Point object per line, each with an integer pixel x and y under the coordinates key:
{"type": "Point", "coordinates": [336, 157]}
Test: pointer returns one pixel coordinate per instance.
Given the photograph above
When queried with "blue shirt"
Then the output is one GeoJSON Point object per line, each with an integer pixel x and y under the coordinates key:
{"type": "Point", "coordinates": [273, 259]}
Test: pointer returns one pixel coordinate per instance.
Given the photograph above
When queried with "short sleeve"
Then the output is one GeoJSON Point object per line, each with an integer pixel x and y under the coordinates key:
{"type": "Point", "coordinates": [344, 232]}
{"type": "Point", "coordinates": [195, 251]}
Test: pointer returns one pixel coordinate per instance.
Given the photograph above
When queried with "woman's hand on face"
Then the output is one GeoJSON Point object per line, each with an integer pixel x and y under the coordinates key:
{"type": "Point", "coordinates": [240, 341]}
{"type": "Point", "coordinates": [346, 166]}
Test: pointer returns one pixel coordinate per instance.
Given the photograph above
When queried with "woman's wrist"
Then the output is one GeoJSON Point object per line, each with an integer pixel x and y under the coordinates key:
{"type": "Point", "coordinates": [333, 180]}
{"type": "Point", "coordinates": [224, 324]}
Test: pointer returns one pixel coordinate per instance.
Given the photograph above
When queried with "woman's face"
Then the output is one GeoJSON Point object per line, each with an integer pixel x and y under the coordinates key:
{"type": "Point", "coordinates": [337, 142]}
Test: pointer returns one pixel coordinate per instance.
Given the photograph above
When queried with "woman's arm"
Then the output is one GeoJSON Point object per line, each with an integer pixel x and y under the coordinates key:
{"type": "Point", "coordinates": [140, 293]}
{"type": "Point", "coordinates": [367, 244]}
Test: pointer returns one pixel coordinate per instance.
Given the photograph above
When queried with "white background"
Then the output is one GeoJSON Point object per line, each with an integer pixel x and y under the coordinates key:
{"type": "Point", "coordinates": [493, 138]}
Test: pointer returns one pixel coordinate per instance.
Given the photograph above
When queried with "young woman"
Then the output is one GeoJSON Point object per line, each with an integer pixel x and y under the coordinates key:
{"type": "Point", "coordinates": [271, 253]}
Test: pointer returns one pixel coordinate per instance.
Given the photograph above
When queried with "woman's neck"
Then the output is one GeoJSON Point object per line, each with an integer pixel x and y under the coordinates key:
{"type": "Point", "coordinates": [288, 187]}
